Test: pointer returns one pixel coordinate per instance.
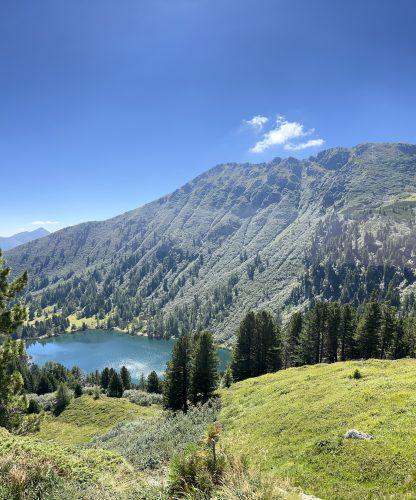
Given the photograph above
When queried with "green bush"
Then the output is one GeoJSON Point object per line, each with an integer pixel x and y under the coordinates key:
{"type": "Point", "coordinates": [33, 406]}
{"type": "Point", "coordinates": [142, 398]}
{"type": "Point", "coordinates": [357, 374]}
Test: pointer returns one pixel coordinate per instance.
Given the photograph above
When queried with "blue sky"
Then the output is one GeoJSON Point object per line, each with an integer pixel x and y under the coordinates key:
{"type": "Point", "coordinates": [106, 105]}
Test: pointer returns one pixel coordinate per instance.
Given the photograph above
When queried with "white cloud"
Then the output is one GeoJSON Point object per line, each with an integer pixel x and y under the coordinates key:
{"type": "Point", "coordinates": [44, 222]}
{"type": "Point", "coordinates": [312, 143]}
{"type": "Point", "coordinates": [283, 134]}
{"type": "Point", "coordinates": [257, 122]}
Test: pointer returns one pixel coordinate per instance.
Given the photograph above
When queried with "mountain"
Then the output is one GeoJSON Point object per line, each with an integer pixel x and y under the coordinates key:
{"type": "Point", "coordinates": [239, 236]}
{"type": "Point", "coordinates": [7, 243]}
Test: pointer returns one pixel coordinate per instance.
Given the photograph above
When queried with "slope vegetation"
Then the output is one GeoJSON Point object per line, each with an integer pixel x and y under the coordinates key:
{"type": "Point", "coordinates": [233, 238]}
{"type": "Point", "coordinates": [292, 424]}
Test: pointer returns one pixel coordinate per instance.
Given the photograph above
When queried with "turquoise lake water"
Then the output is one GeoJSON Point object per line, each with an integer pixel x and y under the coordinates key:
{"type": "Point", "coordinates": [95, 349]}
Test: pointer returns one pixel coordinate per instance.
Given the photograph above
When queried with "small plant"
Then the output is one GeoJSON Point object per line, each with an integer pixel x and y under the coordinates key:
{"type": "Point", "coordinates": [96, 393]}
{"type": "Point", "coordinates": [357, 374]}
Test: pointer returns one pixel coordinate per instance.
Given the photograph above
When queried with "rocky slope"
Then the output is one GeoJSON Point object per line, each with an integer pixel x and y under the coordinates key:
{"type": "Point", "coordinates": [234, 238]}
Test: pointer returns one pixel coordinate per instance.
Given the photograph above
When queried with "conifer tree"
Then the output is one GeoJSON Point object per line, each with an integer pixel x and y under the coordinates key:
{"type": "Point", "coordinates": [115, 387]}
{"type": "Point", "coordinates": [241, 364]}
{"type": "Point", "coordinates": [63, 398]}
{"type": "Point", "coordinates": [266, 344]}
{"type": "Point", "coordinates": [387, 330]}
{"type": "Point", "coordinates": [176, 385]}
{"type": "Point", "coordinates": [346, 332]}
{"type": "Point", "coordinates": [294, 330]}
{"type": "Point", "coordinates": [142, 382]}
{"type": "Point", "coordinates": [368, 330]}
{"type": "Point", "coordinates": [153, 384]}
{"type": "Point", "coordinates": [125, 378]}
{"type": "Point", "coordinates": [105, 378]}
{"type": "Point", "coordinates": [332, 332]}
{"type": "Point", "coordinates": [204, 368]}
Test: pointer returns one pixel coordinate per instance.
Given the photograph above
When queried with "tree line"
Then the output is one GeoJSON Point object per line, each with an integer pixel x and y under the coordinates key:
{"type": "Point", "coordinates": [327, 332]}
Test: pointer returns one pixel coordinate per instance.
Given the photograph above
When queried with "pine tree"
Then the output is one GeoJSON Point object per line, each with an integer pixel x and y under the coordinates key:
{"type": "Point", "coordinates": [242, 353]}
{"type": "Point", "coordinates": [204, 368]}
{"type": "Point", "coordinates": [125, 378]}
{"type": "Point", "coordinates": [153, 383]}
{"type": "Point", "coordinates": [176, 385]}
{"type": "Point", "coordinates": [45, 385]}
{"type": "Point", "coordinates": [387, 330]}
{"type": "Point", "coordinates": [78, 390]}
{"type": "Point", "coordinates": [368, 330]}
{"type": "Point", "coordinates": [63, 398]}
{"type": "Point", "coordinates": [399, 344]}
{"type": "Point", "coordinates": [332, 332]}
{"type": "Point", "coordinates": [105, 378]}
{"type": "Point", "coordinates": [346, 333]}
{"type": "Point", "coordinates": [294, 330]}
{"type": "Point", "coordinates": [11, 316]}
{"type": "Point", "coordinates": [142, 383]}
{"type": "Point", "coordinates": [267, 345]}
{"type": "Point", "coordinates": [115, 387]}
{"type": "Point", "coordinates": [227, 378]}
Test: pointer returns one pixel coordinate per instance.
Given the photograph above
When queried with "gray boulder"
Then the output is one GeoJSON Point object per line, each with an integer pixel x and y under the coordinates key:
{"type": "Point", "coordinates": [354, 434]}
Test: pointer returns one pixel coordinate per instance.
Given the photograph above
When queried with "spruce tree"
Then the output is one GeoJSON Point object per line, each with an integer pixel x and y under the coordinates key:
{"type": "Point", "coordinates": [387, 330]}
{"type": "Point", "coordinates": [294, 330]}
{"type": "Point", "coordinates": [346, 332]}
{"type": "Point", "coordinates": [45, 385]}
{"type": "Point", "coordinates": [176, 385]}
{"type": "Point", "coordinates": [332, 331]}
{"type": "Point", "coordinates": [115, 387]}
{"type": "Point", "coordinates": [105, 378]}
{"type": "Point", "coordinates": [267, 344]}
{"type": "Point", "coordinates": [368, 330]}
{"type": "Point", "coordinates": [204, 368]}
{"type": "Point", "coordinates": [241, 364]}
{"type": "Point", "coordinates": [153, 383]}
{"type": "Point", "coordinates": [125, 378]}
{"type": "Point", "coordinates": [142, 383]}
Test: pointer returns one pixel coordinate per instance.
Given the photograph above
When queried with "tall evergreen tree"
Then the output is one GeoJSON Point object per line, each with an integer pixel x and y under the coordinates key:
{"type": "Point", "coordinates": [176, 385]}
{"type": "Point", "coordinates": [105, 378]}
{"type": "Point", "coordinates": [368, 330]}
{"type": "Point", "coordinates": [241, 364]}
{"type": "Point", "coordinates": [387, 330]}
{"type": "Point", "coordinates": [115, 387]}
{"type": "Point", "coordinates": [204, 368]}
{"type": "Point", "coordinates": [125, 378]}
{"type": "Point", "coordinates": [332, 332]}
{"type": "Point", "coordinates": [153, 383]}
{"type": "Point", "coordinates": [346, 333]}
{"type": "Point", "coordinates": [268, 344]}
{"type": "Point", "coordinates": [294, 330]}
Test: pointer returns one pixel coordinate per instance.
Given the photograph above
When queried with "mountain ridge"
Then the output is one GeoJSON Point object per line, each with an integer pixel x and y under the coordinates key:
{"type": "Point", "coordinates": [231, 239]}
{"type": "Point", "coordinates": [10, 242]}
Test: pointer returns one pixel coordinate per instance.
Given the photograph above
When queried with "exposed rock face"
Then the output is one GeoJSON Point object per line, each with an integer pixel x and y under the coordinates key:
{"type": "Point", "coordinates": [354, 434]}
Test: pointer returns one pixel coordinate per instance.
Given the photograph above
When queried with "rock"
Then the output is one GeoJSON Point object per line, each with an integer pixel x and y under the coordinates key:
{"type": "Point", "coordinates": [354, 434]}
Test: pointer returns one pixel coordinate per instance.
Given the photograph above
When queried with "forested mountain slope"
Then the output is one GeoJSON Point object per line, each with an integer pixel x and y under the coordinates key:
{"type": "Point", "coordinates": [234, 238]}
{"type": "Point", "coordinates": [9, 242]}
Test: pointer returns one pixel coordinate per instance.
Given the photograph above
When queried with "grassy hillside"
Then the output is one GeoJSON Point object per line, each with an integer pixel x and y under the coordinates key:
{"type": "Point", "coordinates": [292, 423]}
{"type": "Point", "coordinates": [86, 417]}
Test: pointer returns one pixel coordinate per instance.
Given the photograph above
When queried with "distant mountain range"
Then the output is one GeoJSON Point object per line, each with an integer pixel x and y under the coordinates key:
{"type": "Point", "coordinates": [272, 235]}
{"type": "Point", "coordinates": [7, 243]}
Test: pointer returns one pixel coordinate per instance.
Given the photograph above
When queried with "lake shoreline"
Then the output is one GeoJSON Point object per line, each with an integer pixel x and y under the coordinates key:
{"type": "Point", "coordinates": [117, 329]}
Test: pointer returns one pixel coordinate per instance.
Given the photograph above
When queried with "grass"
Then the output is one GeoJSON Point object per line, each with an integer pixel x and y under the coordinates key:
{"type": "Point", "coordinates": [85, 417]}
{"type": "Point", "coordinates": [291, 424]}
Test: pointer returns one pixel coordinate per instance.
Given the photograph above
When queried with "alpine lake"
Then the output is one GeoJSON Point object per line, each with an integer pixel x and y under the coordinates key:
{"type": "Point", "coordinates": [93, 350]}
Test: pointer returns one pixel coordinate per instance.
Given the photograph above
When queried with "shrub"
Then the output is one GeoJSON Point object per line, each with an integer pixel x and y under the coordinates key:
{"type": "Point", "coordinates": [357, 374]}
{"type": "Point", "coordinates": [151, 443]}
{"type": "Point", "coordinates": [46, 401]}
{"type": "Point", "coordinates": [142, 398]}
{"type": "Point", "coordinates": [33, 406]}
